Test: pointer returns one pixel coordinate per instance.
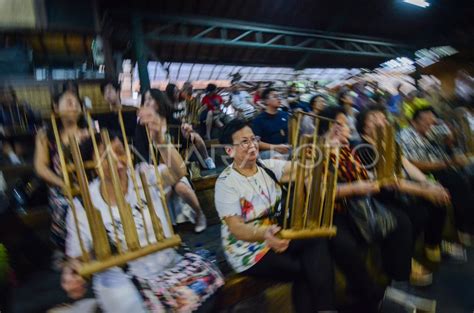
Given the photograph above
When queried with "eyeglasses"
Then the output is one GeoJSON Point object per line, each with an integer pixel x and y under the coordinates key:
{"type": "Point", "coordinates": [245, 144]}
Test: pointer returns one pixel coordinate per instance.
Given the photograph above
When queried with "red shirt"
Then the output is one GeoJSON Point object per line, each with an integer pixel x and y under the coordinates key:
{"type": "Point", "coordinates": [212, 102]}
{"type": "Point", "coordinates": [256, 98]}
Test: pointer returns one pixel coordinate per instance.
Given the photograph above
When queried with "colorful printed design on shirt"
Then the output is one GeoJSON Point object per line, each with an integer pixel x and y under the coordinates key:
{"type": "Point", "coordinates": [248, 253]}
{"type": "Point", "coordinates": [182, 288]}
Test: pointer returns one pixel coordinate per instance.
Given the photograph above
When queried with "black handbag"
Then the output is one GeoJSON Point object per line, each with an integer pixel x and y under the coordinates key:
{"type": "Point", "coordinates": [372, 219]}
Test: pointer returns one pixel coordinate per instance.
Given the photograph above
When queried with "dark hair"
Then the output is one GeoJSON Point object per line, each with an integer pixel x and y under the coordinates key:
{"type": "Point", "coordinates": [57, 97]}
{"type": "Point", "coordinates": [67, 84]}
{"type": "Point", "coordinates": [164, 104]}
{"type": "Point", "coordinates": [187, 86]}
{"type": "Point", "coordinates": [211, 88]}
{"type": "Point", "coordinates": [362, 116]}
{"type": "Point", "coordinates": [87, 148]}
{"type": "Point", "coordinates": [266, 93]}
{"type": "Point", "coordinates": [421, 110]}
{"type": "Point", "coordinates": [316, 96]}
{"type": "Point", "coordinates": [104, 85]}
{"type": "Point", "coordinates": [330, 112]}
{"type": "Point", "coordinates": [341, 95]}
{"type": "Point", "coordinates": [170, 92]}
{"type": "Point", "coordinates": [230, 129]}
{"type": "Point", "coordinates": [81, 122]}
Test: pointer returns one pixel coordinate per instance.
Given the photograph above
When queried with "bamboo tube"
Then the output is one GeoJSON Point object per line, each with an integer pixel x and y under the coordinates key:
{"type": "Point", "coordinates": [298, 205]}
{"type": "Point", "coordinates": [159, 180]}
{"type": "Point", "coordinates": [157, 227]}
{"type": "Point", "coordinates": [118, 260]}
{"type": "Point", "coordinates": [125, 211]}
{"type": "Point", "coordinates": [333, 184]}
{"type": "Point", "coordinates": [101, 173]}
{"type": "Point", "coordinates": [292, 168]}
{"type": "Point", "coordinates": [100, 241]}
{"type": "Point", "coordinates": [67, 188]}
{"type": "Point", "coordinates": [132, 173]}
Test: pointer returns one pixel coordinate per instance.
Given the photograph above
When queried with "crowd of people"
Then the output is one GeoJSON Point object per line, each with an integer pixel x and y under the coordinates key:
{"type": "Point", "coordinates": [252, 126]}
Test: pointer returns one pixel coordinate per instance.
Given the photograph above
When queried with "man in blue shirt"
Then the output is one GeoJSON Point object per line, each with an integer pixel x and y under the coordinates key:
{"type": "Point", "coordinates": [272, 127]}
{"type": "Point", "coordinates": [395, 102]}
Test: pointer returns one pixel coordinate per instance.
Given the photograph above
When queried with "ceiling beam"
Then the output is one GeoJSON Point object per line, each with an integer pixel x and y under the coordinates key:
{"type": "Point", "coordinates": [215, 33]}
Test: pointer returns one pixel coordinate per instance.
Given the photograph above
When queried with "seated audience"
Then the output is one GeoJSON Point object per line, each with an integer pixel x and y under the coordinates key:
{"type": "Point", "coordinates": [159, 103]}
{"type": "Point", "coordinates": [109, 120]}
{"type": "Point", "coordinates": [272, 127]}
{"type": "Point", "coordinates": [175, 117]}
{"type": "Point", "coordinates": [245, 195]}
{"type": "Point", "coordinates": [162, 281]}
{"type": "Point", "coordinates": [428, 154]}
{"type": "Point", "coordinates": [47, 162]}
{"type": "Point", "coordinates": [241, 102]}
{"type": "Point", "coordinates": [212, 114]}
{"type": "Point", "coordinates": [423, 201]}
{"type": "Point", "coordinates": [317, 103]}
{"type": "Point", "coordinates": [346, 101]}
{"type": "Point", "coordinates": [348, 245]}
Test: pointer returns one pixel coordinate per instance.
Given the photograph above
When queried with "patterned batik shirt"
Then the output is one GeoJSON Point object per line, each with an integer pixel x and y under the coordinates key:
{"type": "Point", "coordinates": [419, 148]}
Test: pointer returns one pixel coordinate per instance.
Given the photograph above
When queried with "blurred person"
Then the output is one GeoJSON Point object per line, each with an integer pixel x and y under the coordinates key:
{"type": "Point", "coordinates": [110, 120]}
{"type": "Point", "coordinates": [272, 127]}
{"type": "Point", "coordinates": [294, 99]}
{"type": "Point", "coordinates": [317, 103]}
{"type": "Point", "coordinates": [157, 282]}
{"type": "Point", "coordinates": [346, 101]}
{"type": "Point", "coordinates": [48, 167]}
{"type": "Point", "coordinates": [175, 117]}
{"type": "Point", "coordinates": [412, 102]}
{"type": "Point", "coordinates": [423, 201]}
{"type": "Point", "coordinates": [9, 156]}
{"type": "Point", "coordinates": [241, 102]}
{"type": "Point", "coordinates": [245, 197]}
{"type": "Point", "coordinates": [212, 115]}
{"type": "Point", "coordinates": [396, 101]}
{"type": "Point", "coordinates": [428, 154]}
{"type": "Point", "coordinates": [157, 101]}
{"type": "Point", "coordinates": [190, 103]}
{"type": "Point", "coordinates": [14, 114]}
{"type": "Point", "coordinates": [348, 245]}
{"type": "Point", "coordinates": [257, 96]}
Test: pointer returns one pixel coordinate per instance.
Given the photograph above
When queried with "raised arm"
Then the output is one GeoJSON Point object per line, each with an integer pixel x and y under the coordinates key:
{"type": "Point", "coordinates": [42, 162]}
{"type": "Point", "coordinates": [175, 166]}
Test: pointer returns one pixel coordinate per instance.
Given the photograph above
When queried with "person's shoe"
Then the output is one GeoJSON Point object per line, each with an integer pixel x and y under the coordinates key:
{"type": "Point", "coordinates": [420, 276]}
{"type": "Point", "coordinates": [401, 293]}
{"type": "Point", "coordinates": [433, 254]}
{"type": "Point", "coordinates": [210, 163]}
{"type": "Point", "coordinates": [454, 251]}
{"type": "Point", "coordinates": [466, 239]}
{"type": "Point", "coordinates": [201, 223]}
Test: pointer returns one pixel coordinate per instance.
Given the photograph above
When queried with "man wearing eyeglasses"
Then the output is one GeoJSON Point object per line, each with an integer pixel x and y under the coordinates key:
{"type": "Point", "coordinates": [272, 127]}
{"type": "Point", "coordinates": [246, 195]}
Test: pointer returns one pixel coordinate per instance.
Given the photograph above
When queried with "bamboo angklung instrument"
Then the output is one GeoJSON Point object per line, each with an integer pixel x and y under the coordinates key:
{"type": "Point", "coordinates": [388, 167]}
{"type": "Point", "coordinates": [100, 256]}
{"type": "Point", "coordinates": [313, 191]}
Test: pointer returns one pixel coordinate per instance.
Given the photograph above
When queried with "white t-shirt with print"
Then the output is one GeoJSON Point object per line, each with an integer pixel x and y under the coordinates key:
{"type": "Point", "coordinates": [147, 266]}
{"type": "Point", "coordinates": [251, 198]}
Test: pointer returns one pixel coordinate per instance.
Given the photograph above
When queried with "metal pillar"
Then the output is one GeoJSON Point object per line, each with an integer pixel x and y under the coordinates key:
{"type": "Point", "coordinates": [140, 52]}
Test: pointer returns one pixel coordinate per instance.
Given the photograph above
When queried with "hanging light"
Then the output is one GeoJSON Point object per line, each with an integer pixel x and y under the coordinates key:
{"type": "Point", "coordinates": [419, 3]}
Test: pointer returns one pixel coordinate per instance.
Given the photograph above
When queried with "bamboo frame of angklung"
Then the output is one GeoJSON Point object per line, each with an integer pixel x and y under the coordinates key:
{"type": "Point", "coordinates": [389, 162]}
{"type": "Point", "coordinates": [315, 185]}
{"type": "Point", "coordinates": [102, 257]}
